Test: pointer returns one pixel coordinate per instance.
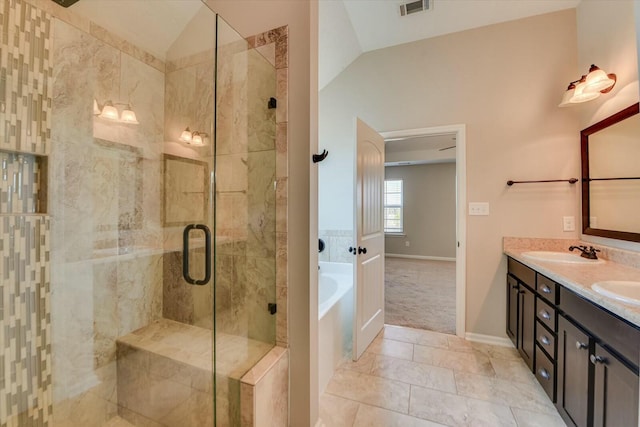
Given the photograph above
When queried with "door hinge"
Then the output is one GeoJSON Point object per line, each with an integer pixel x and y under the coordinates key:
{"type": "Point", "coordinates": [272, 307]}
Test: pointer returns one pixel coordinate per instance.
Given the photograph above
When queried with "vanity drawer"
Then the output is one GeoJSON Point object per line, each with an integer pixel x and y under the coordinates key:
{"type": "Point", "coordinates": [546, 340]}
{"type": "Point", "coordinates": [522, 273]}
{"type": "Point", "coordinates": [547, 289]}
{"type": "Point", "coordinates": [546, 314]}
{"type": "Point", "coordinates": [545, 373]}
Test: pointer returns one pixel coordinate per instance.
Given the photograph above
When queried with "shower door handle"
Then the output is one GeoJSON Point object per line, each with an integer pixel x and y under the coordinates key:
{"type": "Point", "coordinates": [185, 254]}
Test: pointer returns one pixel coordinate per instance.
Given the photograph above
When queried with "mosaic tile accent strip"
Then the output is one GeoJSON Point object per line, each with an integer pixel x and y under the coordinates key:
{"type": "Point", "coordinates": [25, 77]}
{"type": "Point", "coordinates": [19, 183]}
{"type": "Point", "coordinates": [25, 322]}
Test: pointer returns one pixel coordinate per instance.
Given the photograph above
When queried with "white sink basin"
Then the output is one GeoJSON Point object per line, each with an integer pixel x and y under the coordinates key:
{"type": "Point", "coordinates": [621, 290]}
{"type": "Point", "coordinates": [561, 257]}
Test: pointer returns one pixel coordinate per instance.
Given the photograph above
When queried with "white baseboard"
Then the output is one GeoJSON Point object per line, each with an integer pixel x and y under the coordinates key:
{"type": "Point", "coordinates": [488, 339]}
{"type": "Point", "coordinates": [430, 258]}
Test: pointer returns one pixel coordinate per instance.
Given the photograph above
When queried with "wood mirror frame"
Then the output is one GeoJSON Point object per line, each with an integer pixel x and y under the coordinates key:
{"type": "Point", "coordinates": [586, 203]}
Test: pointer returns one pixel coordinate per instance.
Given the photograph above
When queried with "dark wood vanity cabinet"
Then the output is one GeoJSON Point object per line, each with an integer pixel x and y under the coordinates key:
{"type": "Point", "coordinates": [585, 358]}
{"type": "Point", "coordinates": [521, 310]}
{"type": "Point", "coordinates": [574, 371]}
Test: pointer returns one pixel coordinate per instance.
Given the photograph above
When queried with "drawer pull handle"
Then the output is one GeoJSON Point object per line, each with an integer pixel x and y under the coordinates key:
{"type": "Point", "coordinates": [581, 345]}
{"type": "Point", "coordinates": [546, 289]}
{"type": "Point", "coordinates": [597, 359]}
{"type": "Point", "coordinates": [545, 314]}
{"type": "Point", "coordinates": [544, 373]}
{"type": "Point", "coordinates": [545, 340]}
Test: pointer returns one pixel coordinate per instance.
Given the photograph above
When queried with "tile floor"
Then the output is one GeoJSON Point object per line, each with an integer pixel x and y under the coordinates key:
{"type": "Point", "coordinates": [414, 378]}
{"type": "Point", "coordinates": [420, 294]}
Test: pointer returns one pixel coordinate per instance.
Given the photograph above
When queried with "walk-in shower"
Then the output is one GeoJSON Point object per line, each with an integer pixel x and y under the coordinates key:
{"type": "Point", "coordinates": [138, 154]}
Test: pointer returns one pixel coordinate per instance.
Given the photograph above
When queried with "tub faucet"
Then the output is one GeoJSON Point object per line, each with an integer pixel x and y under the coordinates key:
{"type": "Point", "coordinates": [586, 253]}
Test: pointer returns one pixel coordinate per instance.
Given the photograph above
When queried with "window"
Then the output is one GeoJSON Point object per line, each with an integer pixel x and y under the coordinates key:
{"type": "Point", "coordinates": [393, 206]}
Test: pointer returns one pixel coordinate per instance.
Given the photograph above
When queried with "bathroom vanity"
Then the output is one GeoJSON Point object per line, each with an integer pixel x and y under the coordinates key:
{"type": "Point", "coordinates": [582, 347]}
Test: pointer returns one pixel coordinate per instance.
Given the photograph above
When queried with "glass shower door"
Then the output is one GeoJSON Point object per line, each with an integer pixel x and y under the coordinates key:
{"type": "Point", "coordinates": [245, 267]}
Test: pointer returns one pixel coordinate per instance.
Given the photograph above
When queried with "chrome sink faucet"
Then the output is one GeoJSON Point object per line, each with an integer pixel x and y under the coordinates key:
{"type": "Point", "coordinates": [586, 253]}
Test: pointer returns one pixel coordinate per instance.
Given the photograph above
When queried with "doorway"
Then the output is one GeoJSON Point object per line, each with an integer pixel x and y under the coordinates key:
{"type": "Point", "coordinates": [424, 245]}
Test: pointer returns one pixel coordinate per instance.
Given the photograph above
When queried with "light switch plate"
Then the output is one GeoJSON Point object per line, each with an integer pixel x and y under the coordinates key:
{"type": "Point", "coordinates": [479, 208]}
{"type": "Point", "coordinates": [569, 223]}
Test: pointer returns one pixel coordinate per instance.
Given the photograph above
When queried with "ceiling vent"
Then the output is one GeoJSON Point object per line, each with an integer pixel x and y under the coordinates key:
{"type": "Point", "coordinates": [415, 7]}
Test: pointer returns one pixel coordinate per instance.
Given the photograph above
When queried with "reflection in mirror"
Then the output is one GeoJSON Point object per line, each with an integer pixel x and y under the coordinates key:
{"type": "Point", "coordinates": [611, 176]}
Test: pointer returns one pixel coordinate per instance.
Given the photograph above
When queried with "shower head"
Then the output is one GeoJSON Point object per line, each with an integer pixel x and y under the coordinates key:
{"type": "Point", "coordinates": [65, 3]}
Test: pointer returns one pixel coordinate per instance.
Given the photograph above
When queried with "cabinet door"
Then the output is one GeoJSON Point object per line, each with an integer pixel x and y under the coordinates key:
{"type": "Point", "coordinates": [527, 319]}
{"type": "Point", "coordinates": [512, 310]}
{"type": "Point", "coordinates": [573, 374]}
{"type": "Point", "coordinates": [615, 391]}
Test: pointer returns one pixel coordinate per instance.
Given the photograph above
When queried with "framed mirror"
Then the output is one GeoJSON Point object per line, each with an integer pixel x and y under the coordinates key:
{"type": "Point", "coordinates": [611, 176]}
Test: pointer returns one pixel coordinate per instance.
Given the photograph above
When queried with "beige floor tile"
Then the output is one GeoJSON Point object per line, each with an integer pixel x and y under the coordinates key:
{"type": "Point", "coordinates": [118, 422]}
{"type": "Point", "coordinates": [336, 411]}
{"type": "Point", "coordinates": [401, 350]}
{"type": "Point", "coordinates": [370, 416]}
{"type": "Point", "coordinates": [416, 336]}
{"type": "Point", "coordinates": [496, 352]}
{"type": "Point", "coordinates": [453, 410]}
{"type": "Point", "coordinates": [472, 362]}
{"type": "Point", "coordinates": [376, 391]}
{"type": "Point", "coordinates": [414, 373]}
{"type": "Point", "coordinates": [515, 370]}
{"type": "Point", "coordinates": [505, 392]}
{"type": "Point", "coordinates": [526, 418]}
{"type": "Point", "coordinates": [363, 364]}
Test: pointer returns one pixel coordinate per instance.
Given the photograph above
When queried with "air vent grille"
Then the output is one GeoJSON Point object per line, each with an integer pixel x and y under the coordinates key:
{"type": "Point", "coordinates": [415, 7]}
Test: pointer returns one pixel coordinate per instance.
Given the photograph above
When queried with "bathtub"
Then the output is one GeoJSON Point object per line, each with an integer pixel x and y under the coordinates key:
{"type": "Point", "coordinates": [335, 318]}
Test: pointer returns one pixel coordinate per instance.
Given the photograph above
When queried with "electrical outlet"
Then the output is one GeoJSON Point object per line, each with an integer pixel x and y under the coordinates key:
{"type": "Point", "coordinates": [407, 243]}
{"type": "Point", "coordinates": [593, 222]}
{"type": "Point", "coordinates": [479, 208]}
{"type": "Point", "coordinates": [568, 223]}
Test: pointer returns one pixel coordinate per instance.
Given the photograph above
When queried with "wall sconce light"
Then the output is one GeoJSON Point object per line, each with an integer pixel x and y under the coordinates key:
{"type": "Point", "coordinates": [193, 138]}
{"type": "Point", "coordinates": [110, 112]}
{"type": "Point", "coordinates": [588, 87]}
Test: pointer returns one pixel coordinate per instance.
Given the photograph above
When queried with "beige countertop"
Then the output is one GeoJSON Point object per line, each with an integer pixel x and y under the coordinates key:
{"type": "Point", "coordinates": [579, 277]}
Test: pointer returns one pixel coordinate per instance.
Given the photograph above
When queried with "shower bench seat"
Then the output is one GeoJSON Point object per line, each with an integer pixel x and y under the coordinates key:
{"type": "Point", "coordinates": [165, 374]}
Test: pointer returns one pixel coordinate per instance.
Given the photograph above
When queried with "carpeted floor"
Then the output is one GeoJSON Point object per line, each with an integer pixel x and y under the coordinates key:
{"type": "Point", "coordinates": [421, 294]}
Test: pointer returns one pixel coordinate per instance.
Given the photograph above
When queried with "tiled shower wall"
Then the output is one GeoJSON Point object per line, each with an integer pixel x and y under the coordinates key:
{"type": "Point", "coordinates": [25, 315]}
{"type": "Point", "coordinates": [25, 77]}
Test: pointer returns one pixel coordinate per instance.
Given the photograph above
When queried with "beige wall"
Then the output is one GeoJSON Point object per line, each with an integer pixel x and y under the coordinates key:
{"type": "Point", "coordinates": [504, 82]}
{"type": "Point", "coordinates": [256, 16]}
{"type": "Point", "coordinates": [607, 37]}
{"type": "Point", "coordinates": [429, 204]}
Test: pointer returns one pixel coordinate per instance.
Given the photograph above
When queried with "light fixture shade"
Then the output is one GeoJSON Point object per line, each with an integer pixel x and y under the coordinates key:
{"type": "Point", "coordinates": [597, 80]}
{"type": "Point", "coordinates": [186, 135]}
{"type": "Point", "coordinates": [566, 98]}
{"type": "Point", "coordinates": [197, 139]}
{"type": "Point", "coordinates": [109, 111]}
{"type": "Point", "coordinates": [129, 116]}
{"type": "Point", "coordinates": [579, 95]}
{"type": "Point", "coordinates": [96, 109]}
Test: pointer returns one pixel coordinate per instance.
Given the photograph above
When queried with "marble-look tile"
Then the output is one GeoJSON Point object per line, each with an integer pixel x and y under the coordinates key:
{"type": "Point", "coordinates": [495, 351]}
{"type": "Point", "coordinates": [416, 336]}
{"type": "Point", "coordinates": [281, 259]}
{"type": "Point", "coordinates": [388, 394]}
{"type": "Point", "coordinates": [526, 418]}
{"type": "Point", "coordinates": [363, 365]}
{"type": "Point", "coordinates": [514, 370]}
{"type": "Point", "coordinates": [282, 146]}
{"type": "Point", "coordinates": [454, 410]}
{"type": "Point", "coordinates": [337, 412]}
{"type": "Point", "coordinates": [458, 361]}
{"type": "Point", "coordinates": [370, 416]}
{"type": "Point", "coordinates": [400, 350]}
{"type": "Point", "coordinates": [505, 392]}
{"type": "Point", "coordinates": [282, 94]}
{"type": "Point", "coordinates": [282, 316]}
{"type": "Point", "coordinates": [414, 373]}
{"type": "Point", "coordinates": [272, 395]}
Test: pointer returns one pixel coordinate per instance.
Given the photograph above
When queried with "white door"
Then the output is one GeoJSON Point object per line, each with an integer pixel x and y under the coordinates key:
{"type": "Point", "coordinates": [369, 259]}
